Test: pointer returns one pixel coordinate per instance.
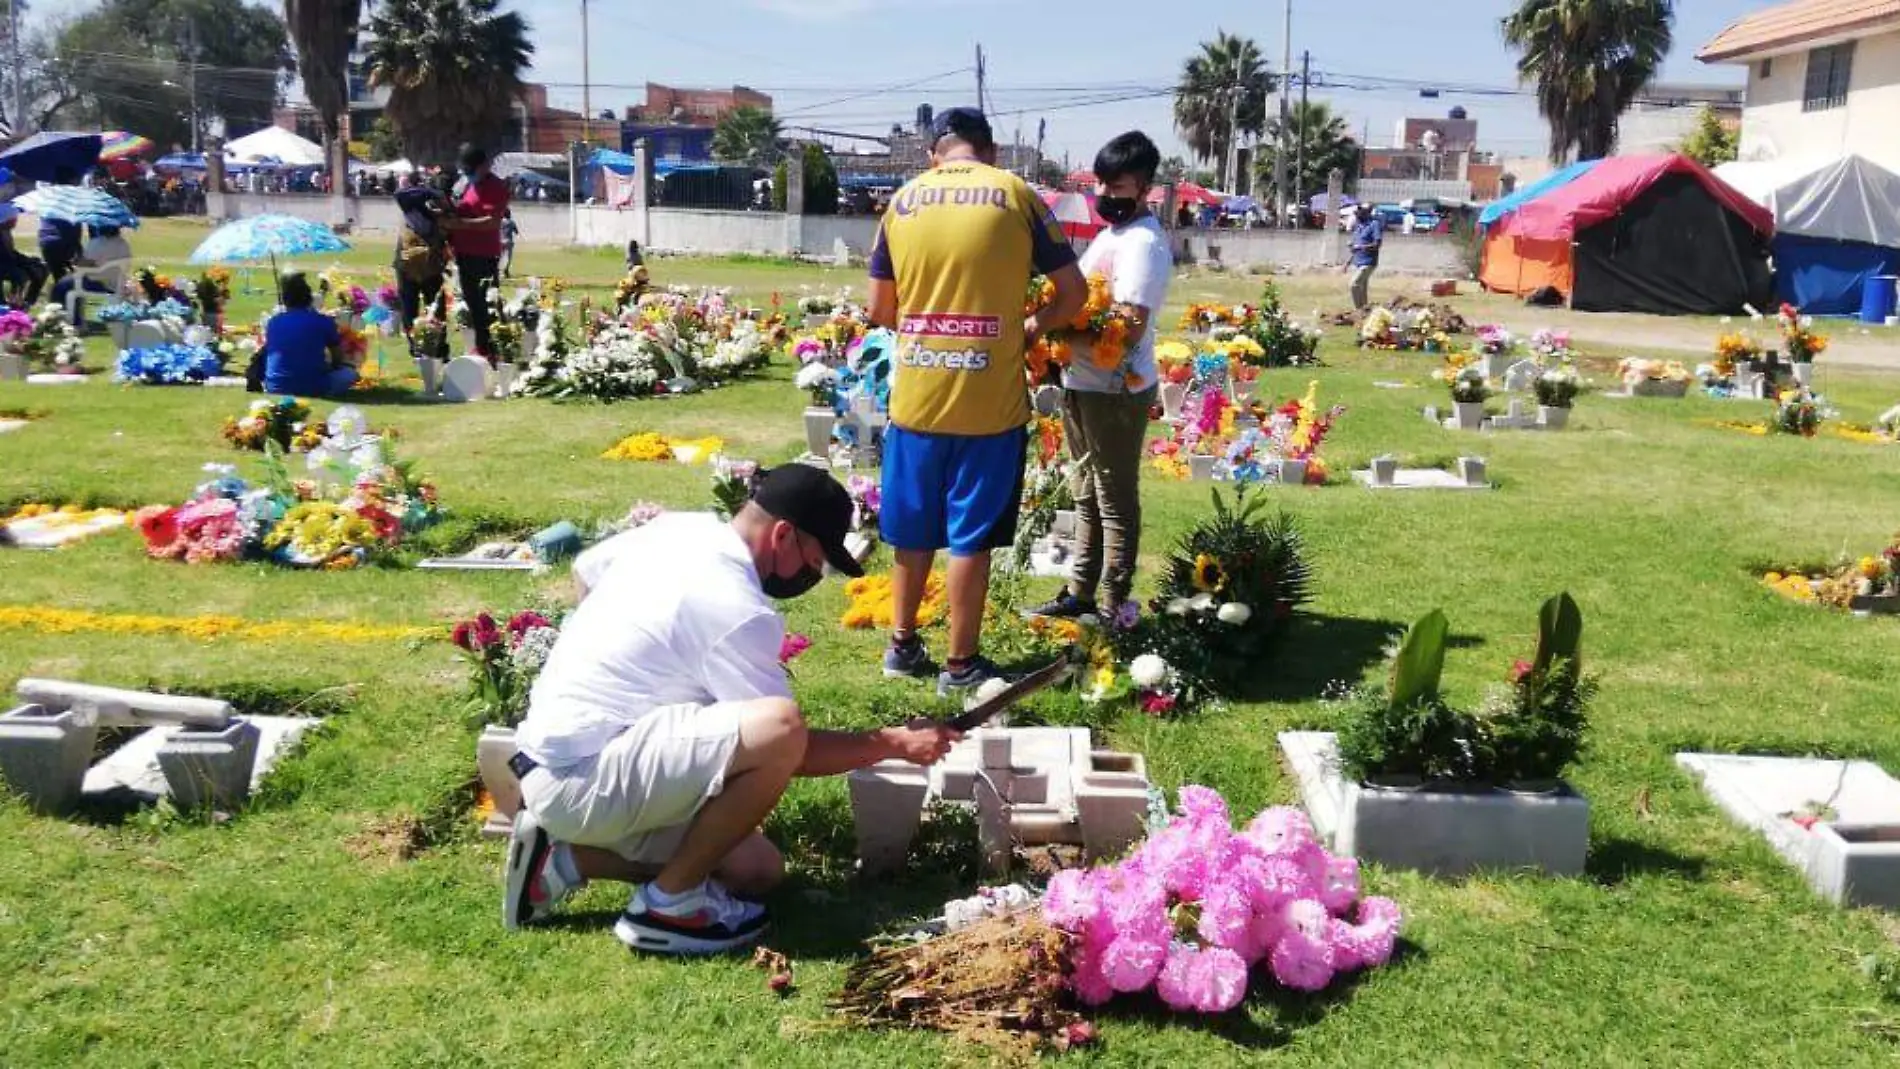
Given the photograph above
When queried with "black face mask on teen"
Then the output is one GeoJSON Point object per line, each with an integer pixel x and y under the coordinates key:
{"type": "Point", "coordinates": [1117, 210]}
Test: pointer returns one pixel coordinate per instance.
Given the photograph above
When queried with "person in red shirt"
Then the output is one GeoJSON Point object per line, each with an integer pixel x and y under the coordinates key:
{"type": "Point", "coordinates": [480, 200]}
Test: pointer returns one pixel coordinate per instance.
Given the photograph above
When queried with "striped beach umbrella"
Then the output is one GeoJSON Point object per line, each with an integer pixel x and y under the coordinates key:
{"type": "Point", "coordinates": [77, 204]}
{"type": "Point", "coordinates": [120, 145]}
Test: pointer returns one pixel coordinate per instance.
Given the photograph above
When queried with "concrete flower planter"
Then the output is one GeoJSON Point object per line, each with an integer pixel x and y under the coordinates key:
{"type": "Point", "coordinates": [1876, 604]}
{"type": "Point", "coordinates": [1552, 417]}
{"type": "Point", "coordinates": [1804, 374]}
{"type": "Point", "coordinates": [1442, 833]}
{"type": "Point", "coordinates": [430, 369]}
{"type": "Point", "coordinates": [1201, 468]}
{"type": "Point", "coordinates": [492, 751]}
{"type": "Point", "coordinates": [1472, 471]}
{"type": "Point", "coordinates": [818, 424]}
{"type": "Point", "coordinates": [1384, 470]}
{"type": "Point", "coordinates": [505, 381]}
{"type": "Point", "coordinates": [43, 756]}
{"type": "Point", "coordinates": [1469, 414]}
{"type": "Point", "coordinates": [1173, 396]}
{"type": "Point", "coordinates": [210, 767]}
{"type": "Point", "coordinates": [12, 367]}
{"type": "Point", "coordinates": [1293, 472]}
{"type": "Point", "coordinates": [887, 803]}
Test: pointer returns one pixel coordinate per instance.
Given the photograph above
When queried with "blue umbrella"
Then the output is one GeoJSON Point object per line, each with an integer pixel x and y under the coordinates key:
{"type": "Point", "coordinates": [76, 204]}
{"type": "Point", "coordinates": [44, 155]}
{"type": "Point", "coordinates": [266, 237]}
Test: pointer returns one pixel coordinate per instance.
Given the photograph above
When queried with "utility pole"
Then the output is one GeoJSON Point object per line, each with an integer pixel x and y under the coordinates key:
{"type": "Point", "coordinates": [191, 76]}
{"type": "Point", "coordinates": [1042, 130]}
{"type": "Point", "coordinates": [587, 81]}
{"type": "Point", "coordinates": [1286, 105]}
{"type": "Point", "coordinates": [980, 72]}
{"type": "Point", "coordinates": [14, 117]}
{"type": "Point", "coordinates": [1299, 157]}
{"type": "Point", "coordinates": [1230, 167]}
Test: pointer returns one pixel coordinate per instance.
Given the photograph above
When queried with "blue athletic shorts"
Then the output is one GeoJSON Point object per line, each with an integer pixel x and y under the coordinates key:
{"type": "Point", "coordinates": [950, 491]}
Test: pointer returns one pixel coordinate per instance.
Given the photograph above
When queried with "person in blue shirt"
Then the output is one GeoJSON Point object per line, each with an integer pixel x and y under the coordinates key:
{"type": "Point", "coordinates": [303, 348]}
{"type": "Point", "coordinates": [1367, 235]}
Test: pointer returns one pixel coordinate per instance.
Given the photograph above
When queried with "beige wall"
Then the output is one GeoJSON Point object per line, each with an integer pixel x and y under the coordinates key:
{"type": "Point", "coordinates": [1775, 127]}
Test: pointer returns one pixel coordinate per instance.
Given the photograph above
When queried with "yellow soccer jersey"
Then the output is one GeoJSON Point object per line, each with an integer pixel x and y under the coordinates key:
{"type": "Point", "coordinates": [960, 242]}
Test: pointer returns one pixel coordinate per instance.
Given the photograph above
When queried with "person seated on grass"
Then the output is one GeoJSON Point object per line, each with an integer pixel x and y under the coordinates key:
{"type": "Point", "coordinates": [662, 731]}
{"type": "Point", "coordinates": [21, 276]}
{"type": "Point", "coordinates": [303, 348]}
{"type": "Point", "coordinates": [108, 246]}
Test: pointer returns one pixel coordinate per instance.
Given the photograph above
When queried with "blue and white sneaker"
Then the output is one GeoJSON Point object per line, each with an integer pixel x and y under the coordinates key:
{"type": "Point", "coordinates": [974, 673]}
{"type": "Point", "coordinates": [706, 920]}
{"type": "Point", "coordinates": [537, 875]}
{"type": "Point", "coordinates": [909, 659]}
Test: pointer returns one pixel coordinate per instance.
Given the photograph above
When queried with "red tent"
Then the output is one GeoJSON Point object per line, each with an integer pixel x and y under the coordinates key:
{"type": "Point", "coordinates": [1658, 234]}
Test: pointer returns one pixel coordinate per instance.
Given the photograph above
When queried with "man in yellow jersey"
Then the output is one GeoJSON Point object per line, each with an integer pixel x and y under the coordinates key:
{"type": "Point", "coordinates": [949, 272]}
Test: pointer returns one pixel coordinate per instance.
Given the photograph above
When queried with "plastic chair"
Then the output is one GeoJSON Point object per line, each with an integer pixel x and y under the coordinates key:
{"type": "Point", "coordinates": [111, 268]}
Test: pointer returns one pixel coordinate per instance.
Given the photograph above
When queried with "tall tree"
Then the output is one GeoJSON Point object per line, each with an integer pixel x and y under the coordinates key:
{"type": "Point", "coordinates": [324, 32]}
{"type": "Point", "coordinates": [1711, 143]}
{"type": "Point", "coordinates": [1226, 68]}
{"type": "Point", "coordinates": [139, 64]}
{"type": "Point", "coordinates": [1329, 145]}
{"type": "Point", "coordinates": [1589, 59]}
{"type": "Point", "coordinates": [453, 70]}
{"type": "Point", "coordinates": [748, 135]}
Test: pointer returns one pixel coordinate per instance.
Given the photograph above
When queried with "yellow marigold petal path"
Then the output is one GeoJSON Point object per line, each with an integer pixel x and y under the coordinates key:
{"type": "Point", "coordinates": [202, 628]}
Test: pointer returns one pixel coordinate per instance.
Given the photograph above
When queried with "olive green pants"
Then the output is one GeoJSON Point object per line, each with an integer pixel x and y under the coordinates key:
{"type": "Point", "coordinates": [1105, 432]}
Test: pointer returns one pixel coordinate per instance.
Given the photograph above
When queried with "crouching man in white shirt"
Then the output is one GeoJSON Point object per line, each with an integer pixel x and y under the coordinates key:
{"type": "Point", "coordinates": [662, 730]}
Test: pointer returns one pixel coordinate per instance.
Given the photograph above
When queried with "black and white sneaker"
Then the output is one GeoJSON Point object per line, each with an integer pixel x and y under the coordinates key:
{"type": "Point", "coordinates": [705, 921]}
{"type": "Point", "coordinates": [1066, 606]}
{"type": "Point", "coordinates": [532, 884]}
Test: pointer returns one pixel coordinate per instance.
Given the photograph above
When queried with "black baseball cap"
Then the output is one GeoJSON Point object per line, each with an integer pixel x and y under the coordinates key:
{"type": "Point", "coordinates": [814, 502]}
{"type": "Point", "coordinates": [965, 124]}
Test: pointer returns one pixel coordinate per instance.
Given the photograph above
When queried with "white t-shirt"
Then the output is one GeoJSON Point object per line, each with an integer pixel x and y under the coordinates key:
{"type": "Point", "coordinates": [591, 566]}
{"type": "Point", "coordinates": [679, 618]}
{"type": "Point", "coordinates": [1136, 261]}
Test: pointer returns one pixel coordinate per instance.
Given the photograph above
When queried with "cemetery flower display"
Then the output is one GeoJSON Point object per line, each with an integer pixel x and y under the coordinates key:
{"type": "Point", "coordinates": [650, 446]}
{"type": "Point", "coordinates": [1101, 328]}
{"type": "Point", "coordinates": [732, 484]}
{"type": "Point", "coordinates": [867, 502]}
{"type": "Point", "coordinates": [1557, 386]}
{"type": "Point", "coordinates": [1468, 385]}
{"type": "Point", "coordinates": [1403, 325]}
{"type": "Point", "coordinates": [1844, 582]}
{"type": "Point", "coordinates": [870, 604]}
{"type": "Point", "coordinates": [1198, 907]}
{"type": "Point", "coordinates": [168, 365]}
{"type": "Point", "coordinates": [1798, 337]}
{"type": "Point", "coordinates": [1526, 732]}
{"type": "Point", "coordinates": [820, 381]}
{"type": "Point", "coordinates": [1732, 349]}
{"type": "Point", "coordinates": [817, 304]}
{"type": "Point", "coordinates": [1552, 346]}
{"type": "Point", "coordinates": [1494, 340]}
{"type": "Point", "coordinates": [504, 661]}
{"type": "Point", "coordinates": [668, 342]}
{"type": "Point", "coordinates": [1797, 412]}
{"type": "Point", "coordinates": [49, 341]}
{"type": "Point", "coordinates": [283, 421]}
{"type": "Point", "coordinates": [632, 287]}
{"type": "Point", "coordinates": [1633, 370]}
{"type": "Point", "coordinates": [15, 327]}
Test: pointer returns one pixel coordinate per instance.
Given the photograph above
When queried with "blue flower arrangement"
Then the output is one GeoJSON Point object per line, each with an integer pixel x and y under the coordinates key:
{"type": "Point", "coordinates": [126, 312]}
{"type": "Point", "coordinates": [167, 365]}
{"type": "Point", "coordinates": [173, 308]}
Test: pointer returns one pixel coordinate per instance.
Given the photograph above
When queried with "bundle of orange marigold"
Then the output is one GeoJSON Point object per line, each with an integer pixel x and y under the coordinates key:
{"type": "Point", "coordinates": [1102, 329]}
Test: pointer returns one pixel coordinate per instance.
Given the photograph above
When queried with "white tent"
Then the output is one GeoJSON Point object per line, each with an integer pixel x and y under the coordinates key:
{"type": "Point", "coordinates": [1846, 199]}
{"type": "Point", "coordinates": [396, 167]}
{"type": "Point", "coordinates": [277, 143]}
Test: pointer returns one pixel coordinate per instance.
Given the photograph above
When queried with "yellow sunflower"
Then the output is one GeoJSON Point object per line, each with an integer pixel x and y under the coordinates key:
{"type": "Point", "coordinates": [1209, 575]}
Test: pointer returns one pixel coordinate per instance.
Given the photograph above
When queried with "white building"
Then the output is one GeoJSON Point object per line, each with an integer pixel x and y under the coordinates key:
{"type": "Point", "coordinates": [1823, 79]}
{"type": "Point", "coordinates": [1665, 114]}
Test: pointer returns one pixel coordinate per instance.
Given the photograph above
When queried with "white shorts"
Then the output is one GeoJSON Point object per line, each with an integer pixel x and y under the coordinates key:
{"type": "Point", "coordinates": [639, 794]}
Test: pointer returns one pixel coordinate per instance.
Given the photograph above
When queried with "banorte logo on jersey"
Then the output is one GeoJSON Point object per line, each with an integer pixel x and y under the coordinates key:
{"type": "Point", "coordinates": [913, 199]}
{"type": "Point", "coordinates": [915, 351]}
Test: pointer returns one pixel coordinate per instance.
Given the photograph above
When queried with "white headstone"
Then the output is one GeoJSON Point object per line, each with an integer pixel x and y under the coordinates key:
{"type": "Point", "coordinates": [465, 379]}
{"type": "Point", "coordinates": [1519, 376]}
{"type": "Point", "coordinates": [12, 367]}
{"type": "Point", "coordinates": [840, 252]}
{"type": "Point", "coordinates": [145, 334]}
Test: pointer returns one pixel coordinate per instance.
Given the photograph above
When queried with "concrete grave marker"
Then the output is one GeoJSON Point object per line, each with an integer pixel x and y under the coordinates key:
{"type": "Point", "coordinates": [465, 379]}
{"type": "Point", "coordinates": [1520, 376]}
{"type": "Point", "coordinates": [1851, 855]}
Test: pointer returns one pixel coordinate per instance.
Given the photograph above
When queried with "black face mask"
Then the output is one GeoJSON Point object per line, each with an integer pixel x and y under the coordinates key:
{"type": "Point", "coordinates": [786, 587]}
{"type": "Point", "coordinates": [1117, 210]}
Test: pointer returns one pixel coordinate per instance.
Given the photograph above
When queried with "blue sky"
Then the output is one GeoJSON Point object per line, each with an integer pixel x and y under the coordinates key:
{"type": "Point", "coordinates": [810, 53]}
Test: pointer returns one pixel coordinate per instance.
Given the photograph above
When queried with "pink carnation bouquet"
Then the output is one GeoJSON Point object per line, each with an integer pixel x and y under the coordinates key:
{"type": "Point", "coordinates": [1198, 906]}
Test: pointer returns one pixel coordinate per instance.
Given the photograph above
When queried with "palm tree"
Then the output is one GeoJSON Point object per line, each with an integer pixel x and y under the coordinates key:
{"type": "Point", "coordinates": [747, 135]}
{"type": "Point", "coordinates": [1204, 100]}
{"type": "Point", "coordinates": [453, 70]}
{"type": "Point", "coordinates": [1328, 146]}
{"type": "Point", "coordinates": [1589, 59]}
{"type": "Point", "coordinates": [324, 32]}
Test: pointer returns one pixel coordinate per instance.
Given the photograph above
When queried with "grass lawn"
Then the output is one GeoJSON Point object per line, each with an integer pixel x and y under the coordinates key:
{"type": "Point", "coordinates": [298, 933]}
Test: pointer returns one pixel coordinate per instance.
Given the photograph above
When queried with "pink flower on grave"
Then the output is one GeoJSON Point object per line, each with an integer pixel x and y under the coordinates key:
{"type": "Point", "coordinates": [1131, 962]}
{"type": "Point", "coordinates": [1073, 900]}
{"type": "Point", "coordinates": [791, 646]}
{"type": "Point", "coordinates": [1086, 978]}
{"type": "Point", "coordinates": [1282, 830]}
{"type": "Point", "coordinates": [1340, 885]}
{"type": "Point", "coordinates": [1203, 803]}
{"type": "Point", "coordinates": [1302, 962]}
